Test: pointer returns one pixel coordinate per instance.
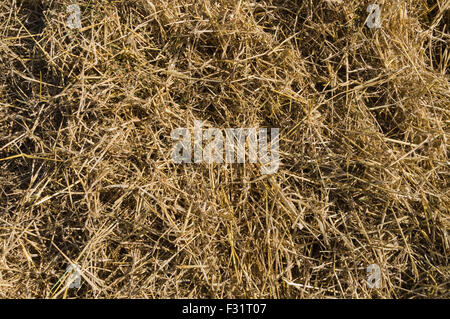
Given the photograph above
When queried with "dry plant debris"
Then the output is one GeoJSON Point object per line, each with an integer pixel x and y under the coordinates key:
{"type": "Point", "coordinates": [86, 175]}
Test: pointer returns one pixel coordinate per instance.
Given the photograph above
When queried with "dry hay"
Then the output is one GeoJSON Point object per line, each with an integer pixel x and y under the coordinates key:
{"type": "Point", "coordinates": [86, 174]}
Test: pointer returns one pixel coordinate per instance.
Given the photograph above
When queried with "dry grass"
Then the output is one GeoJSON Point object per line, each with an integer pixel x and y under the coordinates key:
{"type": "Point", "coordinates": [86, 174]}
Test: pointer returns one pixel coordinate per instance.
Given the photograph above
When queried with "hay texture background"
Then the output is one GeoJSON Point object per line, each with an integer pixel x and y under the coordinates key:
{"type": "Point", "coordinates": [86, 175]}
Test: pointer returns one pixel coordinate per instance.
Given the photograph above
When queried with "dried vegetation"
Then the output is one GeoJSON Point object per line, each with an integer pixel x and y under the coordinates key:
{"type": "Point", "coordinates": [86, 174]}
